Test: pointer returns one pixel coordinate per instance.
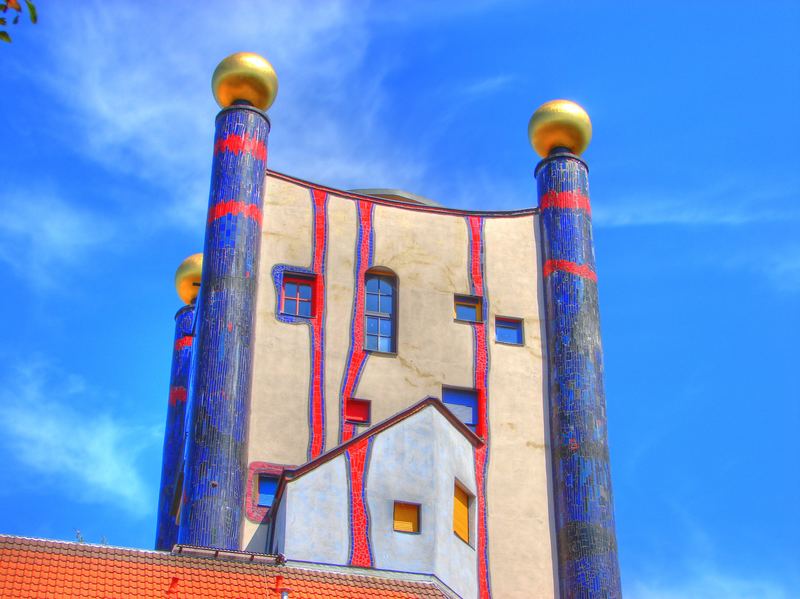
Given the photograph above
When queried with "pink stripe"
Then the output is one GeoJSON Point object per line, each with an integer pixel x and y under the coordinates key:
{"type": "Point", "coordinates": [238, 144]}
{"type": "Point", "coordinates": [360, 553]}
{"type": "Point", "coordinates": [581, 270]}
{"type": "Point", "coordinates": [233, 207]}
{"type": "Point", "coordinates": [569, 200]}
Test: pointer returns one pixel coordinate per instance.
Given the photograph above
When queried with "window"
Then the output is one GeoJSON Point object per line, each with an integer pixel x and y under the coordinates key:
{"type": "Point", "coordinates": [357, 411]}
{"type": "Point", "coordinates": [267, 485]}
{"type": "Point", "coordinates": [298, 296]}
{"type": "Point", "coordinates": [461, 501]}
{"type": "Point", "coordinates": [508, 330]}
{"type": "Point", "coordinates": [463, 403]}
{"type": "Point", "coordinates": [468, 308]}
{"type": "Point", "coordinates": [380, 312]}
{"type": "Point", "coordinates": [406, 517]}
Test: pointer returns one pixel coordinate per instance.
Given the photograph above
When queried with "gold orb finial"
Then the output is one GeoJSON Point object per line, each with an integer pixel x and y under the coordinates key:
{"type": "Point", "coordinates": [559, 124]}
{"type": "Point", "coordinates": [187, 278]}
{"type": "Point", "coordinates": [247, 77]}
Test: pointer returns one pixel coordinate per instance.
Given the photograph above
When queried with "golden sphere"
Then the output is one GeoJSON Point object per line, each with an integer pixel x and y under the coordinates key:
{"type": "Point", "coordinates": [245, 76]}
{"type": "Point", "coordinates": [559, 123]}
{"type": "Point", "coordinates": [187, 278]}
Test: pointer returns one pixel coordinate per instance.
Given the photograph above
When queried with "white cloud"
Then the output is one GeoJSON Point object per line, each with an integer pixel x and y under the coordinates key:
{"type": "Point", "coordinates": [706, 585]}
{"type": "Point", "coordinates": [53, 430]}
{"type": "Point", "coordinates": [41, 235]}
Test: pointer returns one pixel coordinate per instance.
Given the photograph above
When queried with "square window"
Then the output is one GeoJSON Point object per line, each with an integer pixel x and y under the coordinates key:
{"type": "Point", "coordinates": [508, 330]}
{"type": "Point", "coordinates": [461, 505]}
{"type": "Point", "coordinates": [357, 411]}
{"type": "Point", "coordinates": [298, 296]}
{"type": "Point", "coordinates": [468, 308]}
{"type": "Point", "coordinates": [267, 485]}
{"type": "Point", "coordinates": [463, 403]}
{"type": "Point", "coordinates": [406, 517]}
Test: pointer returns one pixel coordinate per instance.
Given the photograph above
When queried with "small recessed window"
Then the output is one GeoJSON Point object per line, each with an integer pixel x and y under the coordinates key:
{"type": "Point", "coordinates": [468, 308]}
{"type": "Point", "coordinates": [379, 314]}
{"type": "Point", "coordinates": [463, 403]}
{"type": "Point", "coordinates": [357, 411]}
{"type": "Point", "coordinates": [267, 485]}
{"type": "Point", "coordinates": [461, 505]}
{"type": "Point", "coordinates": [298, 296]}
{"type": "Point", "coordinates": [508, 330]}
{"type": "Point", "coordinates": [406, 517]}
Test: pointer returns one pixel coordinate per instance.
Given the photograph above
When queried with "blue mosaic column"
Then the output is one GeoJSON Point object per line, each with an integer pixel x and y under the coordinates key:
{"type": "Point", "coordinates": [216, 461]}
{"type": "Point", "coordinates": [167, 526]}
{"type": "Point", "coordinates": [584, 514]}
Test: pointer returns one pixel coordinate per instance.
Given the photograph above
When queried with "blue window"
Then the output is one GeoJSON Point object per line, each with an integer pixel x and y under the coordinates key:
{"type": "Point", "coordinates": [298, 296]}
{"type": "Point", "coordinates": [463, 403]}
{"type": "Point", "coordinates": [380, 313]}
{"type": "Point", "coordinates": [267, 485]}
{"type": "Point", "coordinates": [508, 330]}
{"type": "Point", "coordinates": [468, 308]}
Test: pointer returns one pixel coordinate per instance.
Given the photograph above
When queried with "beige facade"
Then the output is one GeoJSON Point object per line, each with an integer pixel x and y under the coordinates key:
{"type": "Point", "coordinates": [428, 249]}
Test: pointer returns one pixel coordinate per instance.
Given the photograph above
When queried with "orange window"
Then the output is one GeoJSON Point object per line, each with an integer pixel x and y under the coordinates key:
{"type": "Point", "coordinates": [406, 517]}
{"type": "Point", "coordinates": [461, 513]}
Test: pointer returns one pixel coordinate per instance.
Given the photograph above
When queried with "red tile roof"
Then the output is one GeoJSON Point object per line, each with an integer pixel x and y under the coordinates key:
{"type": "Point", "coordinates": [32, 568]}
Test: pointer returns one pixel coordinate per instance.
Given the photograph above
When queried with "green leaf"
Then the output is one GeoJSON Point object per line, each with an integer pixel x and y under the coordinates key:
{"type": "Point", "coordinates": [5, 37]}
{"type": "Point", "coordinates": [32, 12]}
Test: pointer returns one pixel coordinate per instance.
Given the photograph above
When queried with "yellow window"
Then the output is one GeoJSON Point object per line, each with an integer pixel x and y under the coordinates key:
{"type": "Point", "coordinates": [406, 517]}
{"type": "Point", "coordinates": [461, 513]}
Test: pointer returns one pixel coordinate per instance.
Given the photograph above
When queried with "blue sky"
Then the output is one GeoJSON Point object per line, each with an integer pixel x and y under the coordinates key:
{"type": "Point", "coordinates": [106, 135]}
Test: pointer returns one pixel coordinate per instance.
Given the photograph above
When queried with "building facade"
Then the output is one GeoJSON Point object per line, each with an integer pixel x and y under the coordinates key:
{"type": "Point", "coordinates": [322, 322]}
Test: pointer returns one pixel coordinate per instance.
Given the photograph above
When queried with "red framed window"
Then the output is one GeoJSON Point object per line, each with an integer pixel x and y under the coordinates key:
{"type": "Point", "coordinates": [358, 411]}
{"type": "Point", "coordinates": [297, 298]}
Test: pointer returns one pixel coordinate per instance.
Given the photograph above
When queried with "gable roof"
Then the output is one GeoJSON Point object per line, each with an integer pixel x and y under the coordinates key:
{"type": "Point", "coordinates": [433, 402]}
{"type": "Point", "coordinates": [40, 568]}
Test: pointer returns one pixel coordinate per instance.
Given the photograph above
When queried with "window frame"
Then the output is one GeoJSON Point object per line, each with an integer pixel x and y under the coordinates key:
{"type": "Point", "coordinates": [310, 280]}
{"type": "Point", "coordinates": [512, 319]}
{"type": "Point", "coordinates": [258, 478]}
{"type": "Point", "coordinates": [474, 301]}
{"type": "Point", "coordinates": [391, 278]}
{"type": "Point", "coordinates": [473, 427]}
{"type": "Point", "coordinates": [418, 507]}
{"type": "Point", "coordinates": [368, 403]}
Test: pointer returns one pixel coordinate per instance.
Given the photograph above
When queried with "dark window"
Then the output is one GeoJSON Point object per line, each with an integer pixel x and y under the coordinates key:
{"type": "Point", "coordinates": [357, 411]}
{"type": "Point", "coordinates": [508, 330]}
{"type": "Point", "coordinates": [298, 296]}
{"type": "Point", "coordinates": [468, 308]}
{"type": "Point", "coordinates": [267, 485]}
{"type": "Point", "coordinates": [463, 403]}
{"type": "Point", "coordinates": [380, 313]}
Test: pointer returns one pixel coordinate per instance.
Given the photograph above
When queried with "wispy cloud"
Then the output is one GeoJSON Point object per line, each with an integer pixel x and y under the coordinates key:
{"type": "Point", "coordinates": [726, 205]}
{"type": "Point", "coordinates": [49, 423]}
{"type": "Point", "coordinates": [487, 85]}
{"type": "Point", "coordinates": [41, 235]}
{"type": "Point", "coordinates": [708, 584]}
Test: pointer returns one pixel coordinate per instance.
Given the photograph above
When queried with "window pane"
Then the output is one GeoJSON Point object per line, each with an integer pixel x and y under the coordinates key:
{"type": "Point", "coordinates": [384, 344]}
{"type": "Point", "coordinates": [461, 514]}
{"type": "Point", "coordinates": [372, 342]}
{"type": "Point", "coordinates": [372, 284]}
{"type": "Point", "coordinates": [305, 291]}
{"type": "Point", "coordinates": [463, 403]}
{"type": "Point", "coordinates": [372, 302]}
{"type": "Point", "coordinates": [385, 286]}
{"type": "Point", "coordinates": [406, 517]}
{"type": "Point", "coordinates": [291, 289]}
{"type": "Point", "coordinates": [267, 485]}
{"type": "Point", "coordinates": [372, 325]}
{"type": "Point", "coordinates": [464, 413]}
{"type": "Point", "coordinates": [386, 327]}
{"type": "Point", "coordinates": [305, 308]}
{"type": "Point", "coordinates": [465, 312]}
{"type": "Point", "coordinates": [386, 304]}
{"type": "Point", "coordinates": [290, 306]}
{"type": "Point", "coordinates": [509, 331]}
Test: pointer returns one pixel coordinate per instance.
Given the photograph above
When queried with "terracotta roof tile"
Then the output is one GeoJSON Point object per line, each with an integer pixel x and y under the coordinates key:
{"type": "Point", "coordinates": [34, 568]}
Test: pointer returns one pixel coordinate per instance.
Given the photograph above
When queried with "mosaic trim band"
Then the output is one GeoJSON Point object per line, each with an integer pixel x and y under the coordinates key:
{"type": "Point", "coordinates": [216, 460]}
{"type": "Point", "coordinates": [584, 515]}
{"type": "Point", "coordinates": [475, 226]}
{"type": "Point", "coordinates": [167, 528]}
{"type": "Point", "coordinates": [356, 355]}
{"type": "Point", "coordinates": [357, 459]}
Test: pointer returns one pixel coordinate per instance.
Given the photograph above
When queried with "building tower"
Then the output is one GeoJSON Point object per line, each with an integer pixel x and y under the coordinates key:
{"type": "Point", "coordinates": [187, 284]}
{"type": "Point", "coordinates": [215, 471]}
{"type": "Point", "coordinates": [584, 513]}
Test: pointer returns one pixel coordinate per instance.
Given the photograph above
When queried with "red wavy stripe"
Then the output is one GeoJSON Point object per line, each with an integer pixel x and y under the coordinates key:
{"type": "Point", "coordinates": [233, 207]}
{"type": "Point", "coordinates": [242, 144]}
{"type": "Point", "coordinates": [360, 554]}
{"type": "Point", "coordinates": [573, 200]}
{"type": "Point", "coordinates": [318, 376]}
{"type": "Point", "coordinates": [581, 270]}
{"type": "Point", "coordinates": [177, 395]}
{"type": "Point", "coordinates": [183, 342]}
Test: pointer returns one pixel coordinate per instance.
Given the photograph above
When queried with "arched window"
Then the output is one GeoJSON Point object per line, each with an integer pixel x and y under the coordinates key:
{"type": "Point", "coordinates": [380, 314]}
